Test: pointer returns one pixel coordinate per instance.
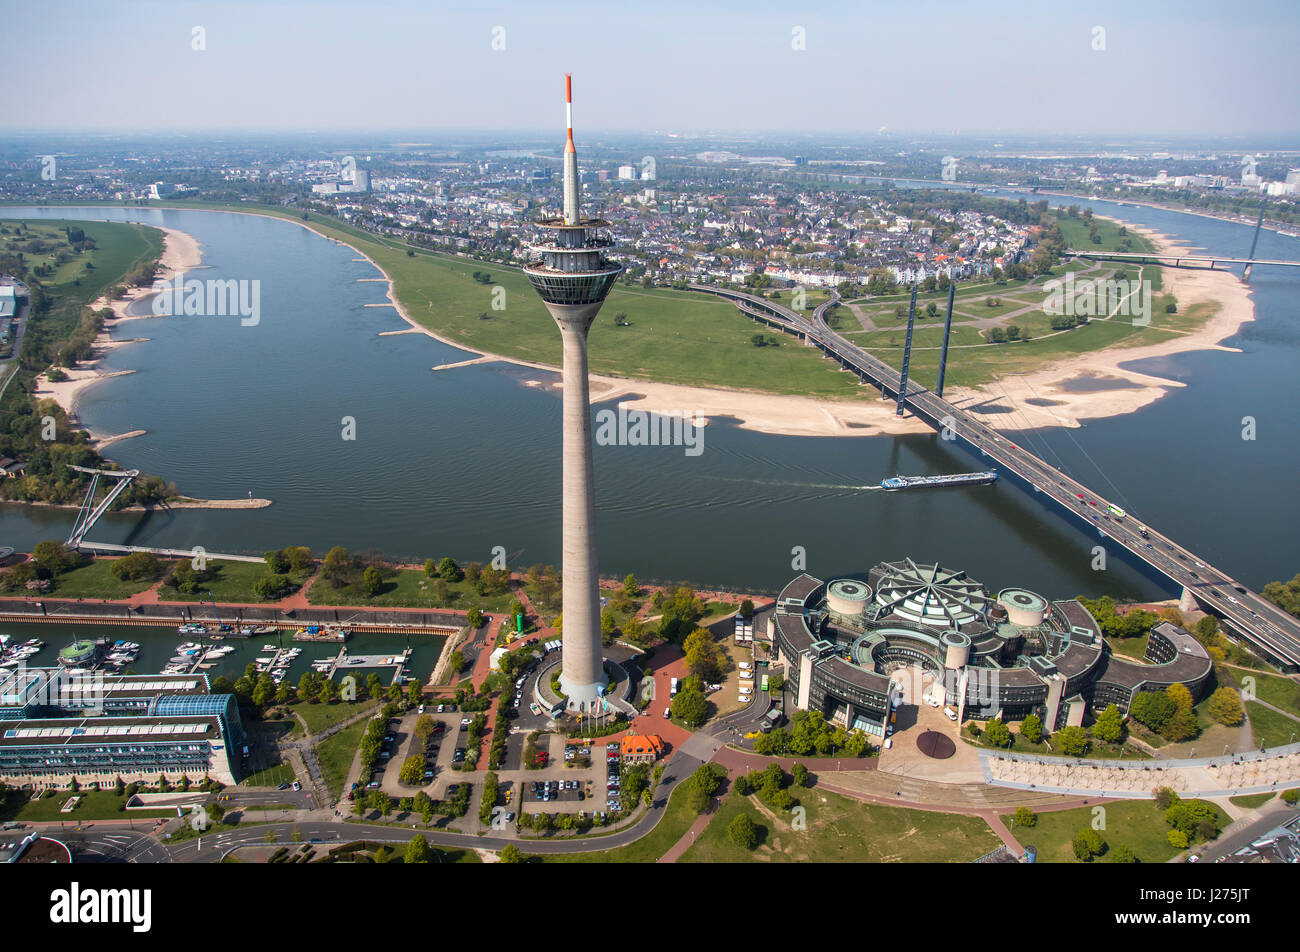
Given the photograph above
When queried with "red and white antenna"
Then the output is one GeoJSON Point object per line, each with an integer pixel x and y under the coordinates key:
{"type": "Point", "coordinates": [568, 110]}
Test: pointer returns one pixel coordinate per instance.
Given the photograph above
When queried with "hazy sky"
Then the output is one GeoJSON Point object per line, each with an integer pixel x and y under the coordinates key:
{"type": "Point", "coordinates": [656, 65]}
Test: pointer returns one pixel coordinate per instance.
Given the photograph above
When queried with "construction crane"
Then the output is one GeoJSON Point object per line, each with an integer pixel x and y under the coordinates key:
{"type": "Point", "coordinates": [88, 513]}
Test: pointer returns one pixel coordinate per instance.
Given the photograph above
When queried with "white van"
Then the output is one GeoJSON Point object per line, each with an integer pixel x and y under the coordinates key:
{"type": "Point", "coordinates": [889, 742]}
{"type": "Point", "coordinates": [952, 715]}
{"type": "Point", "coordinates": [743, 665]}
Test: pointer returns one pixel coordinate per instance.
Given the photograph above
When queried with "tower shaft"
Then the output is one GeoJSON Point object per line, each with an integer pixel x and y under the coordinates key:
{"type": "Point", "coordinates": [581, 592]}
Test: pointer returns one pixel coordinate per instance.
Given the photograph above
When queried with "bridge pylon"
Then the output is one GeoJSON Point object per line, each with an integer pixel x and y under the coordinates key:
{"type": "Point", "coordinates": [907, 354]}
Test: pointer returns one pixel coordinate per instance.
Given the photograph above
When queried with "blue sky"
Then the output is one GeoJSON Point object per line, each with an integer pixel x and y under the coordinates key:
{"type": "Point", "coordinates": [1167, 68]}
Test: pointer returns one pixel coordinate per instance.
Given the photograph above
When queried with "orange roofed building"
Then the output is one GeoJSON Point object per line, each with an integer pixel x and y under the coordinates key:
{"type": "Point", "coordinates": [647, 747]}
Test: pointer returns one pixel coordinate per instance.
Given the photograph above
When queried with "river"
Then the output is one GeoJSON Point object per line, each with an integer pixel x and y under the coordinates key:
{"type": "Point", "coordinates": [458, 462]}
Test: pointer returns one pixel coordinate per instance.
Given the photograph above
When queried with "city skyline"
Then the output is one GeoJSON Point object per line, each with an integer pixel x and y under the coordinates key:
{"type": "Point", "coordinates": [1200, 69]}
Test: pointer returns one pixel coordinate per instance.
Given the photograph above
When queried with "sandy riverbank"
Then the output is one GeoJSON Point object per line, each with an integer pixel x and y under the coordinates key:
{"type": "Point", "coordinates": [181, 252]}
{"type": "Point", "coordinates": [1089, 386]}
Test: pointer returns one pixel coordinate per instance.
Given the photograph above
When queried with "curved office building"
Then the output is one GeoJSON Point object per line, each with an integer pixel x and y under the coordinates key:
{"type": "Point", "coordinates": [1006, 655]}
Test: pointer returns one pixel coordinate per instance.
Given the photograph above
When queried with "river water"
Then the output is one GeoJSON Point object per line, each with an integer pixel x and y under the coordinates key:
{"type": "Point", "coordinates": [459, 462]}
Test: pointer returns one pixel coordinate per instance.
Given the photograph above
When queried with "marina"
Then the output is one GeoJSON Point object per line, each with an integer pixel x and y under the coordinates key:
{"type": "Point", "coordinates": [158, 650]}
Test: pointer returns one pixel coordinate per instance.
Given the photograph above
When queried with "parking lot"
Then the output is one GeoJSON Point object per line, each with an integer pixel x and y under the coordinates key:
{"type": "Point", "coordinates": [562, 786]}
{"type": "Point", "coordinates": [400, 742]}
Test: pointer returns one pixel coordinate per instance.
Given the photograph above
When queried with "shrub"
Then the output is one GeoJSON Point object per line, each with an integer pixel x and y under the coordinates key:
{"type": "Point", "coordinates": [137, 565]}
{"type": "Point", "coordinates": [741, 832]}
{"type": "Point", "coordinates": [1087, 844]}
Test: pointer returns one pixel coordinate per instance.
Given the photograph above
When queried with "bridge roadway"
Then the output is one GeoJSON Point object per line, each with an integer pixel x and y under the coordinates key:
{"type": "Point", "coordinates": [1254, 617]}
{"type": "Point", "coordinates": [1174, 260]}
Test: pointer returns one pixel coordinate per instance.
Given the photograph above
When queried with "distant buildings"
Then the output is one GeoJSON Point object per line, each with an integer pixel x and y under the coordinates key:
{"type": "Point", "coordinates": [627, 173]}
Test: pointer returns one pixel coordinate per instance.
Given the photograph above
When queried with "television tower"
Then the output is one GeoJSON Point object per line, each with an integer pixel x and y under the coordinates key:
{"type": "Point", "coordinates": [574, 277]}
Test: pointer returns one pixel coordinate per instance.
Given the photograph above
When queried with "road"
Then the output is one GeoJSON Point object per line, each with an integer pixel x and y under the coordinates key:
{"type": "Point", "coordinates": [1258, 620]}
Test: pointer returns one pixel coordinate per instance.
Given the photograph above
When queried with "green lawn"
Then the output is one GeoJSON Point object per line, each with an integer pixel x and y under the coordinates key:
{"type": "Point", "coordinates": [96, 580]}
{"type": "Point", "coordinates": [1251, 800]}
{"type": "Point", "coordinates": [1270, 728]}
{"type": "Point", "coordinates": [1130, 647]}
{"type": "Point", "coordinates": [230, 582]}
{"type": "Point", "coordinates": [270, 777]}
{"type": "Point", "coordinates": [1137, 824]}
{"type": "Point", "coordinates": [336, 754]}
{"type": "Point", "coordinates": [1278, 691]}
{"type": "Point", "coordinates": [319, 717]}
{"type": "Point", "coordinates": [672, 826]}
{"type": "Point", "coordinates": [94, 805]}
{"type": "Point", "coordinates": [841, 830]}
{"type": "Point", "coordinates": [410, 588]}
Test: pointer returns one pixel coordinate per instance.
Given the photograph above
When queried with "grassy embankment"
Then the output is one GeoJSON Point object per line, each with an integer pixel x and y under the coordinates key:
{"type": "Point", "coordinates": [841, 830]}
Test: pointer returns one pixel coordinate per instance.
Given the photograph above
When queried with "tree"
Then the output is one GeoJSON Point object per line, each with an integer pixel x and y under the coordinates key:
{"type": "Point", "coordinates": [747, 609]}
{"type": "Point", "coordinates": [412, 773]}
{"type": "Point", "coordinates": [1225, 707]}
{"type": "Point", "coordinates": [690, 707]}
{"type": "Point", "coordinates": [414, 694]}
{"type": "Point", "coordinates": [422, 804]}
{"type": "Point", "coordinates": [631, 586]}
{"type": "Point", "coordinates": [1073, 741]}
{"type": "Point", "coordinates": [799, 773]}
{"type": "Point", "coordinates": [997, 734]}
{"type": "Point", "coordinates": [510, 854]}
{"type": "Point", "coordinates": [1031, 728]}
{"type": "Point", "coordinates": [1025, 816]}
{"type": "Point", "coordinates": [449, 570]}
{"type": "Point", "coordinates": [418, 851]}
{"type": "Point", "coordinates": [372, 581]}
{"type": "Point", "coordinates": [703, 655]}
{"type": "Point", "coordinates": [1087, 844]}
{"type": "Point", "coordinates": [1152, 708]}
{"type": "Point", "coordinates": [1177, 839]}
{"type": "Point", "coordinates": [741, 832]}
{"type": "Point", "coordinates": [474, 617]}
{"type": "Point", "coordinates": [1109, 725]}
{"type": "Point", "coordinates": [708, 778]}
{"type": "Point", "coordinates": [1121, 854]}
{"type": "Point", "coordinates": [456, 660]}
{"type": "Point", "coordinates": [276, 562]}
{"type": "Point", "coordinates": [137, 565]}
{"type": "Point", "coordinates": [272, 587]}
{"type": "Point", "coordinates": [1179, 694]}
{"type": "Point", "coordinates": [54, 557]}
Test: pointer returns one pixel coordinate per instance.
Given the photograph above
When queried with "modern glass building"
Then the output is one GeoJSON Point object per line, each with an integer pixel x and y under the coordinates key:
{"type": "Point", "coordinates": [57, 727]}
